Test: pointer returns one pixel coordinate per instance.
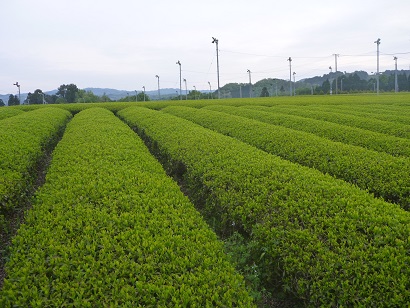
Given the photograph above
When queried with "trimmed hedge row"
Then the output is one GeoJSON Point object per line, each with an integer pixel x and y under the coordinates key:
{"type": "Point", "coordinates": [395, 114]}
{"type": "Point", "coordinates": [333, 131]}
{"type": "Point", "coordinates": [23, 139]}
{"type": "Point", "coordinates": [9, 112]}
{"type": "Point", "coordinates": [382, 174]}
{"type": "Point", "coordinates": [385, 127]}
{"type": "Point", "coordinates": [327, 241]}
{"type": "Point", "coordinates": [110, 229]}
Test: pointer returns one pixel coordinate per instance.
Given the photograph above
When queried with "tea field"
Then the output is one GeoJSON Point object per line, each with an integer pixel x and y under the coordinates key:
{"type": "Point", "coordinates": [209, 203]}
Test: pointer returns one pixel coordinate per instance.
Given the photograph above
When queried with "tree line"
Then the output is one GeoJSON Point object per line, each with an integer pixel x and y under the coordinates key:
{"type": "Point", "coordinates": [344, 83]}
{"type": "Point", "coordinates": [357, 82]}
{"type": "Point", "coordinates": [69, 93]}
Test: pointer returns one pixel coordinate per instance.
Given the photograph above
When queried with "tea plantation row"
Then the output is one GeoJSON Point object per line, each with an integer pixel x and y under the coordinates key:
{"type": "Point", "coordinates": [109, 228]}
{"type": "Point", "coordinates": [327, 241]}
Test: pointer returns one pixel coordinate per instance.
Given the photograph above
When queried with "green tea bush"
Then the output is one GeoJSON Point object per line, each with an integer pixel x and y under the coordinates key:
{"type": "Point", "coordinates": [385, 127]}
{"type": "Point", "coordinates": [9, 112]}
{"type": "Point", "coordinates": [23, 140]}
{"type": "Point", "coordinates": [380, 173]}
{"type": "Point", "coordinates": [109, 228]}
{"type": "Point", "coordinates": [322, 239]}
{"type": "Point", "coordinates": [336, 132]}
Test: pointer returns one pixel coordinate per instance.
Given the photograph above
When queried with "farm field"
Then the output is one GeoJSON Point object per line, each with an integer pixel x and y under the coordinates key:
{"type": "Point", "coordinates": [292, 200]}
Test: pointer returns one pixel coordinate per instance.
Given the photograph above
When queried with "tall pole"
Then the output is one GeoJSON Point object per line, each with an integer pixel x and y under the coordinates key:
{"type": "Point", "coordinates": [396, 85]}
{"type": "Point", "coordinates": [210, 90]}
{"type": "Point", "coordinates": [143, 92]}
{"type": "Point", "coordinates": [294, 83]}
{"type": "Point", "coordinates": [180, 80]}
{"type": "Point", "coordinates": [250, 83]}
{"type": "Point", "coordinates": [290, 76]}
{"type": "Point", "coordinates": [377, 76]}
{"type": "Point", "coordinates": [186, 90]}
{"type": "Point", "coordinates": [159, 93]}
{"type": "Point", "coordinates": [336, 56]}
{"type": "Point", "coordinates": [240, 91]}
{"type": "Point", "coordinates": [195, 92]}
{"type": "Point", "coordinates": [18, 86]}
{"type": "Point", "coordinates": [214, 40]}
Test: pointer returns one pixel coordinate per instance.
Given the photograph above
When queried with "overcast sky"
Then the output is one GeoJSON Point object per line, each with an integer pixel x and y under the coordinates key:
{"type": "Point", "coordinates": [123, 44]}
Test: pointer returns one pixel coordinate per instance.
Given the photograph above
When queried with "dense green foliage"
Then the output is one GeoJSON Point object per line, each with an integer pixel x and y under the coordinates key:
{"type": "Point", "coordinates": [110, 229]}
{"type": "Point", "coordinates": [23, 139]}
{"type": "Point", "coordinates": [360, 121]}
{"type": "Point", "coordinates": [341, 133]}
{"type": "Point", "coordinates": [395, 114]}
{"type": "Point", "coordinates": [380, 173]}
{"type": "Point", "coordinates": [327, 241]}
{"type": "Point", "coordinates": [9, 112]}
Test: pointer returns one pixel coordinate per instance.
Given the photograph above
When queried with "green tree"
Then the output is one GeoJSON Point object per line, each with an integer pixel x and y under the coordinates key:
{"type": "Point", "coordinates": [105, 98]}
{"type": "Point", "coordinates": [87, 97]}
{"type": "Point", "coordinates": [282, 89]}
{"type": "Point", "coordinates": [194, 94]}
{"type": "Point", "coordinates": [326, 86]}
{"type": "Point", "coordinates": [2, 104]}
{"type": "Point", "coordinates": [13, 100]}
{"type": "Point", "coordinates": [265, 92]}
{"type": "Point", "coordinates": [402, 82]}
{"type": "Point", "coordinates": [142, 97]}
{"type": "Point", "coordinates": [68, 92]}
{"type": "Point", "coordinates": [60, 100]}
{"type": "Point", "coordinates": [35, 98]}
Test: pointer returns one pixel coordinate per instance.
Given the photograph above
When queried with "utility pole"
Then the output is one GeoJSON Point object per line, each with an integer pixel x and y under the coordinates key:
{"type": "Point", "coordinates": [210, 90]}
{"type": "Point", "coordinates": [186, 90]}
{"type": "Point", "coordinates": [250, 83]}
{"type": "Point", "coordinates": [240, 91]}
{"type": "Point", "coordinates": [396, 85]}
{"type": "Point", "coordinates": [180, 80]}
{"type": "Point", "coordinates": [336, 56]}
{"type": "Point", "coordinates": [18, 86]}
{"type": "Point", "coordinates": [294, 83]}
{"type": "Point", "coordinates": [159, 93]}
{"type": "Point", "coordinates": [377, 76]}
{"type": "Point", "coordinates": [214, 40]}
{"type": "Point", "coordinates": [195, 92]}
{"type": "Point", "coordinates": [290, 76]}
{"type": "Point", "coordinates": [143, 92]}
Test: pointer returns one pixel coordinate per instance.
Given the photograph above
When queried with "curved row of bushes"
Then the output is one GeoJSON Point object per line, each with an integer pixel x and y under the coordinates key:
{"type": "Point", "coordinates": [9, 112]}
{"type": "Point", "coordinates": [320, 238]}
{"type": "Point", "coordinates": [382, 174]}
{"type": "Point", "coordinates": [23, 140]}
{"type": "Point", "coordinates": [109, 228]}
{"type": "Point", "coordinates": [385, 127]}
{"type": "Point", "coordinates": [390, 113]}
{"type": "Point", "coordinates": [336, 132]}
